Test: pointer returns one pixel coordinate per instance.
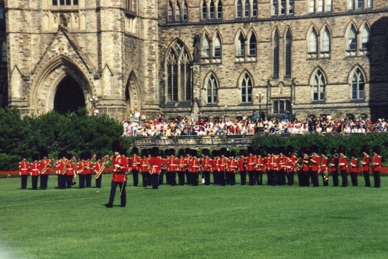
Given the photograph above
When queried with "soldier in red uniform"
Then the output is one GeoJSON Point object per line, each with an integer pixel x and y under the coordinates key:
{"type": "Point", "coordinates": [98, 169]}
{"type": "Point", "coordinates": [88, 170]}
{"type": "Point", "coordinates": [290, 165]}
{"type": "Point", "coordinates": [365, 165]}
{"type": "Point", "coordinates": [260, 168]}
{"type": "Point", "coordinates": [343, 168]}
{"type": "Point", "coordinates": [81, 166]}
{"type": "Point", "coordinates": [304, 178]}
{"type": "Point", "coordinates": [354, 168]}
{"type": "Point", "coordinates": [171, 167]}
{"type": "Point", "coordinates": [251, 164]}
{"type": "Point", "coordinates": [134, 163]}
{"type": "Point", "coordinates": [206, 166]}
{"type": "Point", "coordinates": [376, 166]}
{"type": "Point", "coordinates": [23, 172]}
{"type": "Point", "coordinates": [182, 167]}
{"type": "Point", "coordinates": [61, 166]}
{"type": "Point", "coordinates": [155, 166]}
{"type": "Point", "coordinates": [223, 166]}
{"type": "Point", "coordinates": [194, 168]}
{"type": "Point", "coordinates": [241, 168]}
{"type": "Point", "coordinates": [324, 169]}
{"type": "Point", "coordinates": [333, 166]}
{"type": "Point", "coordinates": [34, 172]}
{"type": "Point", "coordinates": [144, 167]}
{"type": "Point", "coordinates": [315, 162]}
{"type": "Point", "coordinates": [119, 178]}
{"type": "Point", "coordinates": [282, 165]}
{"type": "Point", "coordinates": [70, 173]}
{"type": "Point", "coordinates": [44, 167]}
{"type": "Point", "coordinates": [232, 169]}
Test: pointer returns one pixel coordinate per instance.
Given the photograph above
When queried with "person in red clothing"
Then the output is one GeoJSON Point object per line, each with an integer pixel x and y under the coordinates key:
{"type": "Point", "coordinates": [365, 163]}
{"type": "Point", "coordinates": [376, 166]}
{"type": "Point", "coordinates": [232, 168]}
{"type": "Point", "coordinates": [155, 167]}
{"type": "Point", "coordinates": [182, 167]}
{"type": "Point", "coordinates": [119, 178]}
{"type": "Point", "coordinates": [23, 172]}
{"type": "Point", "coordinates": [206, 165]}
{"type": "Point", "coordinates": [88, 169]}
{"type": "Point", "coordinates": [304, 178]}
{"type": "Point", "coordinates": [250, 165]}
{"type": "Point", "coordinates": [44, 167]}
{"type": "Point", "coordinates": [241, 168]}
{"type": "Point", "coordinates": [70, 172]}
{"type": "Point", "coordinates": [171, 167]}
{"type": "Point", "coordinates": [144, 167]}
{"type": "Point", "coordinates": [194, 168]}
{"type": "Point", "coordinates": [34, 172]}
{"type": "Point", "coordinates": [315, 162]}
{"type": "Point", "coordinates": [134, 163]}
{"type": "Point", "coordinates": [290, 165]}
{"type": "Point", "coordinates": [260, 168]}
{"type": "Point", "coordinates": [343, 168]}
{"type": "Point", "coordinates": [324, 169]}
{"type": "Point", "coordinates": [354, 167]}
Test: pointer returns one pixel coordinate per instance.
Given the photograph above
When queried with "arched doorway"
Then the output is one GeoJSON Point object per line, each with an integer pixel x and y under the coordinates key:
{"type": "Point", "coordinates": [131, 95]}
{"type": "Point", "coordinates": [69, 96]}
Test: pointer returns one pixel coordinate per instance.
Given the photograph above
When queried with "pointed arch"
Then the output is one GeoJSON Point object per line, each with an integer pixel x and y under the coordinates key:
{"type": "Point", "coordinates": [185, 11]}
{"type": "Point", "coordinates": [169, 11]}
{"type": "Point", "coordinates": [325, 46]}
{"type": "Point", "coordinates": [177, 11]}
{"type": "Point", "coordinates": [255, 8]}
{"type": "Point", "coordinates": [351, 37]}
{"type": "Point", "coordinates": [240, 44]}
{"type": "Point", "coordinates": [246, 85]}
{"type": "Point", "coordinates": [318, 82]}
{"type": "Point", "coordinates": [247, 9]}
{"type": "Point", "coordinates": [275, 49]}
{"type": "Point", "coordinates": [252, 43]}
{"type": "Point", "coordinates": [205, 46]}
{"type": "Point", "coordinates": [313, 40]}
{"type": "Point", "coordinates": [211, 85]}
{"type": "Point", "coordinates": [212, 10]}
{"type": "Point", "coordinates": [365, 36]}
{"type": "Point", "coordinates": [239, 9]}
{"type": "Point", "coordinates": [217, 45]}
{"type": "Point", "coordinates": [219, 9]}
{"type": "Point", "coordinates": [357, 81]}
{"type": "Point", "coordinates": [178, 72]}
{"type": "Point", "coordinates": [132, 94]}
{"type": "Point", "coordinates": [203, 10]}
{"type": "Point", "coordinates": [288, 52]}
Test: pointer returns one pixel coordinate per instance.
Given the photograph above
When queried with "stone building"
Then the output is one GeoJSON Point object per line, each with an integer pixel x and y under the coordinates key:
{"type": "Point", "coordinates": [310, 57]}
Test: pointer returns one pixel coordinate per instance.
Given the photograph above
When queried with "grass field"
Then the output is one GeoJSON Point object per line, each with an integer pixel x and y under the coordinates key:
{"type": "Point", "coordinates": [194, 222]}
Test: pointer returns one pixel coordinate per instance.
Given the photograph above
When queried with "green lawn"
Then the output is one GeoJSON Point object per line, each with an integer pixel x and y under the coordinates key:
{"type": "Point", "coordinates": [194, 222]}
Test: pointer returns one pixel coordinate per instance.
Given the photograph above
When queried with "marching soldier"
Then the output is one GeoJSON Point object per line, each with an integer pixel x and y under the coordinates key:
{"type": "Point", "coordinates": [34, 172]}
{"type": "Point", "coordinates": [61, 170]}
{"type": "Point", "coordinates": [134, 162]}
{"type": "Point", "coordinates": [144, 168]}
{"type": "Point", "coordinates": [232, 169]}
{"type": "Point", "coordinates": [182, 167]}
{"type": "Point", "coordinates": [70, 173]}
{"type": "Point", "coordinates": [334, 168]}
{"type": "Point", "coordinates": [376, 166]}
{"type": "Point", "coordinates": [260, 169]}
{"type": "Point", "coordinates": [305, 171]}
{"type": "Point", "coordinates": [365, 165]}
{"type": "Point", "coordinates": [171, 167]}
{"type": "Point", "coordinates": [315, 161]}
{"type": "Point", "coordinates": [290, 165]}
{"type": "Point", "coordinates": [81, 166]}
{"type": "Point", "coordinates": [155, 167]}
{"type": "Point", "coordinates": [324, 169]}
{"type": "Point", "coordinates": [23, 172]}
{"type": "Point", "coordinates": [251, 164]}
{"type": "Point", "coordinates": [119, 178]}
{"type": "Point", "coordinates": [194, 168]}
{"type": "Point", "coordinates": [44, 167]}
{"type": "Point", "coordinates": [282, 165]}
{"type": "Point", "coordinates": [98, 169]}
{"type": "Point", "coordinates": [88, 170]}
{"type": "Point", "coordinates": [354, 168]}
{"type": "Point", "coordinates": [342, 166]}
{"type": "Point", "coordinates": [206, 166]}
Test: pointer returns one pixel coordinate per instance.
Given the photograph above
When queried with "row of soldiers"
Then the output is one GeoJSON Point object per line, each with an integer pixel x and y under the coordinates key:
{"type": "Point", "coordinates": [280, 165]}
{"type": "Point", "coordinates": [67, 167]}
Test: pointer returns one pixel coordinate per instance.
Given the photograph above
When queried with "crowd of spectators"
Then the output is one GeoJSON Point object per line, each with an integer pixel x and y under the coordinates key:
{"type": "Point", "coordinates": [202, 125]}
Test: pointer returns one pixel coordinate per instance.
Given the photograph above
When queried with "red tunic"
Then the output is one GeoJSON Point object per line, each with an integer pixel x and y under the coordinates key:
{"type": "Point", "coordinates": [135, 162]}
{"type": "Point", "coordinates": [376, 163]}
{"type": "Point", "coordinates": [315, 163]}
{"type": "Point", "coordinates": [23, 167]}
{"type": "Point", "coordinates": [354, 165]}
{"type": "Point", "coordinates": [324, 162]}
{"type": "Point", "coordinates": [232, 165]}
{"type": "Point", "coordinates": [156, 164]}
{"type": "Point", "coordinates": [34, 169]}
{"type": "Point", "coordinates": [365, 163]}
{"type": "Point", "coordinates": [194, 165]}
{"type": "Point", "coordinates": [251, 163]}
{"type": "Point", "coordinates": [44, 165]}
{"type": "Point", "coordinates": [241, 164]}
{"type": "Point", "coordinates": [206, 164]}
{"type": "Point", "coordinates": [119, 173]}
{"type": "Point", "coordinates": [343, 161]}
{"type": "Point", "coordinates": [260, 164]}
{"type": "Point", "coordinates": [144, 165]}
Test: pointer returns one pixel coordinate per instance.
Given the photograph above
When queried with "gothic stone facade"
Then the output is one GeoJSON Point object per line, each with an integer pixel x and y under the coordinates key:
{"type": "Point", "coordinates": [312, 57]}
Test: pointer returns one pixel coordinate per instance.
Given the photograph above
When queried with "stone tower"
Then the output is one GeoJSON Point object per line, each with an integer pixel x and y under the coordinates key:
{"type": "Point", "coordinates": [63, 54]}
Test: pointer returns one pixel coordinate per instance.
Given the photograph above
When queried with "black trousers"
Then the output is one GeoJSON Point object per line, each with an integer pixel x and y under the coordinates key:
{"type": "Point", "coordinates": [69, 181]}
{"type": "Point", "coordinates": [344, 177]}
{"type": "Point", "coordinates": [325, 182]}
{"type": "Point", "coordinates": [243, 177]}
{"type": "Point", "coordinates": [181, 178]}
{"type": "Point", "coordinates": [34, 182]}
{"type": "Point", "coordinates": [98, 181]}
{"type": "Point", "coordinates": [43, 181]}
{"type": "Point", "coordinates": [194, 178]}
{"type": "Point", "coordinates": [282, 177]}
{"type": "Point", "coordinates": [23, 179]}
{"type": "Point", "coordinates": [155, 181]}
{"type": "Point", "coordinates": [144, 177]}
{"type": "Point", "coordinates": [260, 178]}
{"type": "Point", "coordinates": [376, 178]}
{"type": "Point", "coordinates": [251, 177]}
{"type": "Point", "coordinates": [135, 176]}
{"type": "Point", "coordinates": [206, 176]}
{"type": "Point", "coordinates": [88, 180]}
{"type": "Point", "coordinates": [335, 178]}
{"type": "Point", "coordinates": [290, 178]}
{"type": "Point", "coordinates": [123, 195]}
{"type": "Point", "coordinates": [353, 178]}
{"type": "Point", "coordinates": [314, 178]}
{"type": "Point", "coordinates": [367, 179]}
{"type": "Point", "coordinates": [161, 175]}
{"type": "Point", "coordinates": [81, 181]}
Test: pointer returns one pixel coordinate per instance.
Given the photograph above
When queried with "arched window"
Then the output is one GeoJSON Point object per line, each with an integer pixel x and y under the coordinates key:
{"type": "Point", "coordinates": [217, 50]}
{"type": "Point", "coordinates": [239, 9]}
{"type": "Point", "coordinates": [276, 55]}
{"type": "Point", "coordinates": [4, 57]}
{"type": "Point", "coordinates": [204, 10]}
{"type": "Point", "coordinates": [313, 39]}
{"type": "Point", "coordinates": [288, 53]}
{"type": "Point", "coordinates": [177, 12]}
{"type": "Point", "coordinates": [283, 7]}
{"type": "Point", "coordinates": [219, 10]}
{"type": "Point", "coordinates": [255, 8]}
{"type": "Point", "coordinates": [205, 50]}
{"type": "Point", "coordinates": [360, 4]}
{"type": "Point", "coordinates": [246, 89]}
{"type": "Point", "coordinates": [178, 73]}
{"type": "Point", "coordinates": [252, 46]}
{"type": "Point", "coordinates": [185, 12]}
{"type": "Point", "coordinates": [275, 7]}
{"type": "Point", "coordinates": [352, 39]}
{"type": "Point", "coordinates": [212, 90]}
{"type": "Point", "coordinates": [319, 86]}
{"type": "Point", "coordinates": [365, 38]}
{"type": "Point", "coordinates": [325, 47]}
{"type": "Point", "coordinates": [247, 9]}
{"type": "Point", "coordinates": [240, 48]}
{"type": "Point", "coordinates": [169, 12]}
{"type": "Point", "coordinates": [358, 85]}
{"type": "Point", "coordinates": [212, 10]}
